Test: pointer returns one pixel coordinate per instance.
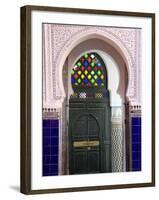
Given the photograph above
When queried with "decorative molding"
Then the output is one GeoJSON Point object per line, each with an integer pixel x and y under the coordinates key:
{"type": "Point", "coordinates": [61, 39]}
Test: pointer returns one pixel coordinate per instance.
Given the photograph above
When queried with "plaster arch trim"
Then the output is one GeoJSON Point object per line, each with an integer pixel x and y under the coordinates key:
{"type": "Point", "coordinates": [83, 35]}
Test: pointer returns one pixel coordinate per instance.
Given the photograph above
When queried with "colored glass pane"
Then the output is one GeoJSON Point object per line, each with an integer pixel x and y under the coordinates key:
{"type": "Point", "coordinates": [92, 80]}
{"type": "Point", "coordinates": [89, 68]}
{"type": "Point", "coordinates": [89, 59]}
{"type": "Point", "coordinates": [102, 77]}
{"type": "Point", "coordinates": [79, 72]}
{"type": "Point", "coordinates": [95, 76]}
{"type": "Point", "coordinates": [85, 72]}
{"type": "Point", "coordinates": [89, 76]}
{"type": "Point", "coordinates": [92, 72]}
{"type": "Point", "coordinates": [89, 71]}
{"type": "Point", "coordinates": [92, 55]}
{"type": "Point", "coordinates": [82, 76]}
{"type": "Point", "coordinates": [99, 72]}
{"type": "Point", "coordinates": [79, 64]}
{"type": "Point", "coordinates": [79, 80]}
{"type": "Point", "coordinates": [92, 64]}
{"type": "Point", "coordinates": [86, 55]}
{"type": "Point", "coordinates": [76, 76]}
{"type": "Point", "coordinates": [86, 63]}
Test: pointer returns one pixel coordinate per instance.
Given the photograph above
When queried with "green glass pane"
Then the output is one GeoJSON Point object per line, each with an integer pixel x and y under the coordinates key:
{"type": "Point", "coordinates": [92, 72]}
{"type": "Point", "coordinates": [79, 72]}
{"type": "Point", "coordinates": [79, 80]}
{"type": "Point", "coordinates": [92, 64]}
{"type": "Point", "coordinates": [99, 72]}
{"type": "Point", "coordinates": [72, 71]}
{"type": "Point", "coordinates": [102, 84]}
{"type": "Point", "coordinates": [86, 55]}
{"type": "Point", "coordinates": [79, 64]}
{"type": "Point", "coordinates": [92, 80]}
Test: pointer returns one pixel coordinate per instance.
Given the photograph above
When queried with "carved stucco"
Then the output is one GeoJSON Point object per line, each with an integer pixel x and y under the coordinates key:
{"type": "Point", "coordinates": [61, 39]}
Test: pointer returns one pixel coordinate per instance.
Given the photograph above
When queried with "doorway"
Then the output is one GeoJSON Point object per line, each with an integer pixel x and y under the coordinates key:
{"type": "Point", "coordinates": [89, 117]}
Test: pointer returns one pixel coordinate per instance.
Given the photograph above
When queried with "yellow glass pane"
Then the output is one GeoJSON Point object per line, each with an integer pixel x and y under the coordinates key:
{"type": "Point", "coordinates": [82, 76]}
{"type": "Point", "coordinates": [86, 72]}
{"type": "Point", "coordinates": [89, 76]}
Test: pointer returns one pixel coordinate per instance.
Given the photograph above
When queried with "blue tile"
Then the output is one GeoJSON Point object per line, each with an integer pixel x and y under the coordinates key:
{"type": "Point", "coordinates": [46, 159]}
{"type": "Point", "coordinates": [46, 150]}
{"type": "Point", "coordinates": [136, 129]}
{"type": "Point", "coordinates": [50, 147]}
{"type": "Point", "coordinates": [46, 141]}
{"type": "Point", "coordinates": [46, 123]}
{"type": "Point", "coordinates": [50, 174]}
{"type": "Point", "coordinates": [54, 159]}
{"type": "Point", "coordinates": [46, 131]}
{"type": "Point", "coordinates": [54, 123]}
{"type": "Point", "coordinates": [136, 121]}
{"type": "Point", "coordinates": [136, 147]}
{"type": "Point", "coordinates": [136, 166]}
{"type": "Point", "coordinates": [46, 169]}
{"type": "Point", "coordinates": [54, 131]}
{"type": "Point", "coordinates": [136, 155]}
{"type": "Point", "coordinates": [54, 169]}
{"type": "Point", "coordinates": [54, 150]}
{"type": "Point", "coordinates": [136, 138]}
{"type": "Point", "coordinates": [54, 141]}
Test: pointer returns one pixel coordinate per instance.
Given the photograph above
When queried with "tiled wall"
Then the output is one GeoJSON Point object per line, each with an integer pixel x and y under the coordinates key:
{"type": "Point", "coordinates": [136, 143]}
{"type": "Point", "coordinates": [50, 147]}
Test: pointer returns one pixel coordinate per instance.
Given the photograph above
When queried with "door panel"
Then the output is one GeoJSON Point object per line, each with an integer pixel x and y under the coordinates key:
{"type": "Point", "coordinates": [89, 140]}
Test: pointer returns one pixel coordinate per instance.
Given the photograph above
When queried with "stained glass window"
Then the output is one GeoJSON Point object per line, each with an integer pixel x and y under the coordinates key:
{"type": "Point", "coordinates": [89, 71]}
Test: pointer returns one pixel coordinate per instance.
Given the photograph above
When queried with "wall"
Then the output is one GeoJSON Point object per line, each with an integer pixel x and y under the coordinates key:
{"type": "Point", "coordinates": [9, 101]}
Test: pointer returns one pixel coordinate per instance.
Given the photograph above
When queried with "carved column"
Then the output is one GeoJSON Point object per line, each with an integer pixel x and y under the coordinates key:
{"type": "Point", "coordinates": [117, 139]}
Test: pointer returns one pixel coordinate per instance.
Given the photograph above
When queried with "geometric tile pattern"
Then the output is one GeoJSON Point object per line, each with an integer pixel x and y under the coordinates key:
{"type": "Point", "coordinates": [88, 71]}
{"type": "Point", "coordinates": [136, 143]}
{"type": "Point", "coordinates": [117, 154]}
{"type": "Point", "coordinates": [84, 95]}
{"type": "Point", "coordinates": [50, 147]}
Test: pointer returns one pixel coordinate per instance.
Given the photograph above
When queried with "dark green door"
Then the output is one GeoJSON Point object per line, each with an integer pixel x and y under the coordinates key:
{"type": "Point", "coordinates": [85, 145]}
{"type": "Point", "coordinates": [88, 151]}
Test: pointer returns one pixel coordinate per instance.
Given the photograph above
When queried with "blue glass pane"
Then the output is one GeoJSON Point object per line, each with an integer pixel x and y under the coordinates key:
{"type": "Point", "coordinates": [86, 63]}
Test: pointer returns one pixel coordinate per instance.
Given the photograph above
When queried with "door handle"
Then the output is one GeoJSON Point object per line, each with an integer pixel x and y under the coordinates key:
{"type": "Point", "coordinates": [92, 143]}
